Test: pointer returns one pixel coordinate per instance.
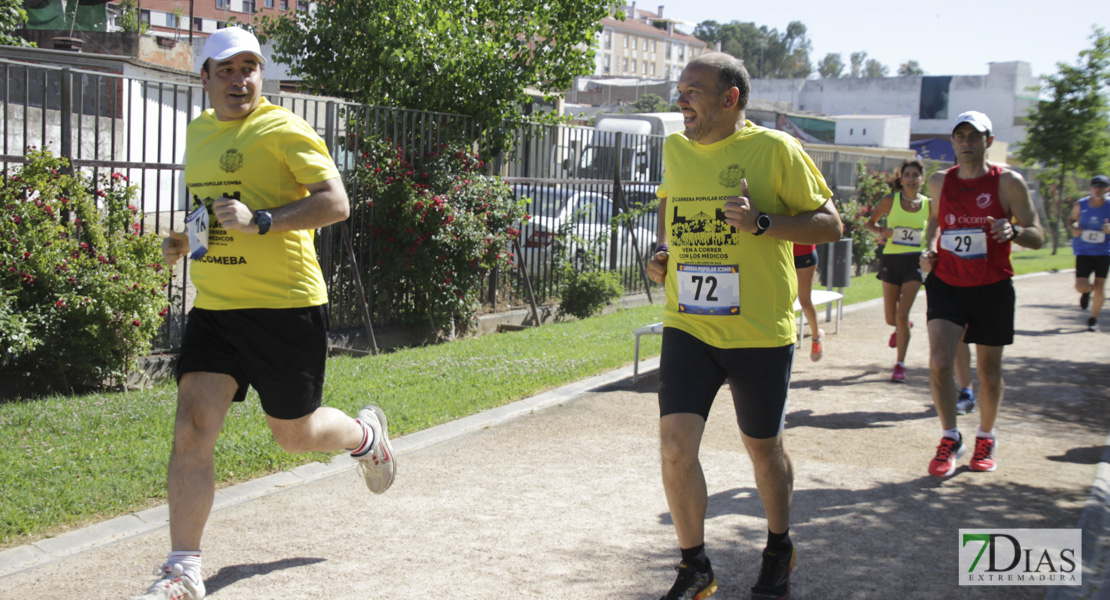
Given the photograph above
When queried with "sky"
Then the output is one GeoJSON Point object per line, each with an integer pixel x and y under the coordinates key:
{"type": "Point", "coordinates": [945, 37]}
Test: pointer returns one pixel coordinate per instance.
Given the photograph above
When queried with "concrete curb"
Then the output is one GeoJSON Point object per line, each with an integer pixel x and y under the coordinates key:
{"type": "Point", "coordinates": [108, 532]}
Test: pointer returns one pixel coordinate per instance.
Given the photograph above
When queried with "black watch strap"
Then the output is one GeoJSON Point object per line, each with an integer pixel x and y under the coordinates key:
{"type": "Point", "coordinates": [762, 224]}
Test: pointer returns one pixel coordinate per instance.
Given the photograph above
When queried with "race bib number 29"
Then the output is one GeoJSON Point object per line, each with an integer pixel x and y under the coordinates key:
{"type": "Point", "coordinates": [708, 289]}
{"type": "Point", "coordinates": [965, 243]}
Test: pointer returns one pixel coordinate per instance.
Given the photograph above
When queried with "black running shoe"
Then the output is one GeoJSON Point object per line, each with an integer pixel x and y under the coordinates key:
{"type": "Point", "coordinates": [1084, 300]}
{"type": "Point", "coordinates": [692, 584]}
{"type": "Point", "coordinates": [1092, 324]}
{"type": "Point", "coordinates": [774, 575]}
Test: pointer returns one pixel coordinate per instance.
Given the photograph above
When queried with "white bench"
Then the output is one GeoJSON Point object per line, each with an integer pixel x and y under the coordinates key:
{"type": "Point", "coordinates": [819, 298]}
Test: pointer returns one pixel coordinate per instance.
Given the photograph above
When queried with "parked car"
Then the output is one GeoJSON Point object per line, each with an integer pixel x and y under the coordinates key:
{"type": "Point", "coordinates": [590, 211]}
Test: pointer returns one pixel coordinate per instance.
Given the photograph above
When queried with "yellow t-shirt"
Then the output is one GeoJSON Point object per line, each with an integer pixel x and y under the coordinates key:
{"type": "Point", "coordinates": [264, 161]}
{"type": "Point", "coordinates": [728, 288]}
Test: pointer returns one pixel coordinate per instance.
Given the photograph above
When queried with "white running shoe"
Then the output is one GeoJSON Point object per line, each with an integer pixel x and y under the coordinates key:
{"type": "Point", "coordinates": [376, 465]}
{"type": "Point", "coordinates": [174, 585]}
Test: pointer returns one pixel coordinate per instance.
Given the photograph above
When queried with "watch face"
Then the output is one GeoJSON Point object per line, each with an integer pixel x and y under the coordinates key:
{"type": "Point", "coordinates": [763, 221]}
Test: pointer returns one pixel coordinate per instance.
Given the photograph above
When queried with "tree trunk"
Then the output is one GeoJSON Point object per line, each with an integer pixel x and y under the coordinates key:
{"type": "Point", "coordinates": [1059, 212]}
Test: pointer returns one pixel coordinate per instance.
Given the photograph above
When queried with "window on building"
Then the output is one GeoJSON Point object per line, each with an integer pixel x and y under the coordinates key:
{"type": "Point", "coordinates": [668, 52]}
{"type": "Point", "coordinates": [625, 69]}
{"type": "Point", "coordinates": [851, 131]}
{"type": "Point", "coordinates": [682, 52]}
{"type": "Point", "coordinates": [198, 24]}
{"type": "Point", "coordinates": [144, 16]}
{"type": "Point", "coordinates": [864, 131]}
{"type": "Point", "coordinates": [653, 45]}
{"type": "Point", "coordinates": [668, 72]}
{"type": "Point", "coordinates": [269, 3]}
{"type": "Point", "coordinates": [222, 4]}
{"type": "Point", "coordinates": [608, 40]}
{"type": "Point", "coordinates": [608, 61]}
{"type": "Point", "coordinates": [653, 69]}
{"type": "Point", "coordinates": [934, 97]}
{"type": "Point", "coordinates": [249, 7]}
{"type": "Point", "coordinates": [302, 5]}
{"type": "Point", "coordinates": [645, 67]}
{"type": "Point", "coordinates": [284, 5]}
{"type": "Point", "coordinates": [634, 43]}
{"type": "Point", "coordinates": [633, 66]}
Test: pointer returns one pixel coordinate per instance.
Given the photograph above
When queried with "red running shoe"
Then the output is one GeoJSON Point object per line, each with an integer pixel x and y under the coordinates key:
{"type": "Point", "coordinates": [983, 458]}
{"type": "Point", "coordinates": [944, 463]}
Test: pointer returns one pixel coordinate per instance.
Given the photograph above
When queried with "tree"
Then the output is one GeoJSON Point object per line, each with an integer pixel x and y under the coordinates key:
{"type": "Point", "coordinates": [12, 17]}
{"type": "Point", "coordinates": [765, 52]}
{"type": "Point", "coordinates": [910, 68]}
{"type": "Point", "coordinates": [857, 59]}
{"type": "Point", "coordinates": [1070, 129]}
{"type": "Point", "coordinates": [874, 68]}
{"type": "Point", "coordinates": [650, 103]}
{"type": "Point", "coordinates": [470, 57]}
{"type": "Point", "coordinates": [831, 66]}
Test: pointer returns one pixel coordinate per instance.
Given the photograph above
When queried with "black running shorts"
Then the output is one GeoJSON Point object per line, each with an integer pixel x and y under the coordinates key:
{"type": "Point", "coordinates": [900, 268]}
{"type": "Point", "coordinates": [691, 373]}
{"type": "Point", "coordinates": [281, 352]}
{"type": "Point", "coordinates": [805, 260]}
{"type": "Point", "coordinates": [986, 310]}
{"type": "Point", "coordinates": [1085, 265]}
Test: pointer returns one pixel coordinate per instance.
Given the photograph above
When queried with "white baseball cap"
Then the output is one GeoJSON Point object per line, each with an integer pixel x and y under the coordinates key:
{"type": "Point", "coordinates": [976, 119]}
{"type": "Point", "coordinates": [228, 42]}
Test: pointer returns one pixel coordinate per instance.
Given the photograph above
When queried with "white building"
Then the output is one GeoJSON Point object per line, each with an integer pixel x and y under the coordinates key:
{"type": "Point", "coordinates": [879, 131]}
{"type": "Point", "coordinates": [931, 102]}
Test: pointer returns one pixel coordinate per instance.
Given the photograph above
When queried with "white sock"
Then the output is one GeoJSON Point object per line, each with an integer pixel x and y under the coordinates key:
{"type": "Point", "coordinates": [953, 434]}
{"type": "Point", "coordinates": [189, 561]}
{"type": "Point", "coordinates": [985, 434]}
{"type": "Point", "coordinates": [899, 364]}
{"type": "Point", "coordinates": [367, 440]}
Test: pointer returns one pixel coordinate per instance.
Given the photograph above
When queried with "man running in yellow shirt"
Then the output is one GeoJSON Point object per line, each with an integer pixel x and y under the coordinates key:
{"type": "Point", "coordinates": [262, 181]}
{"type": "Point", "coordinates": [734, 197]}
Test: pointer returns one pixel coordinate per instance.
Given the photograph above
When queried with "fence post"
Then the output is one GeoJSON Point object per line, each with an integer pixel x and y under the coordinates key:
{"type": "Point", "coordinates": [617, 168]}
{"type": "Point", "coordinates": [329, 127]}
{"type": "Point", "coordinates": [66, 111]}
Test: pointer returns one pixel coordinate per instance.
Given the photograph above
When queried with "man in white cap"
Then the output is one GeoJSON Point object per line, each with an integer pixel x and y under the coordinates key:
{"type": "Point", "coordinates": [971, 227]}
{"type": "Point", "coordinates": [261, 181]}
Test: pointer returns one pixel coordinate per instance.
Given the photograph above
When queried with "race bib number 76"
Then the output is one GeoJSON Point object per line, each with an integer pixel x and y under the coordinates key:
{"type": "Point", "coordinates": [708, 289]}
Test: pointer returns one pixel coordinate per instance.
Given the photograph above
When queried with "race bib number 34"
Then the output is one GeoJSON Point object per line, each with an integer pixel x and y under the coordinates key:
{"type": "Point", "coordinates": [906, 236]}
{"type": "Point", "coordinates": [708, 289]}
{"type": "Point", "coordinates": [965, 243]}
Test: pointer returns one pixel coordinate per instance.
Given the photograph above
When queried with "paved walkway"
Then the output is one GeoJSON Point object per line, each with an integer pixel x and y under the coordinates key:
{"type": "Point", "coordinates": [559, 496]}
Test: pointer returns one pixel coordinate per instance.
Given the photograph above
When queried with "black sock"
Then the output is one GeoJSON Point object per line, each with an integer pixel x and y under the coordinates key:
{"type": "Point", "coordinates": [695, 556]}
{"type": "Point", "coordinates": [779, 541]}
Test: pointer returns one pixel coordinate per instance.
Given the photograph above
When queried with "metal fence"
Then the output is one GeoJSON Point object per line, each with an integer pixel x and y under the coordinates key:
{"type": "Point", "coordinates": [577, 178]}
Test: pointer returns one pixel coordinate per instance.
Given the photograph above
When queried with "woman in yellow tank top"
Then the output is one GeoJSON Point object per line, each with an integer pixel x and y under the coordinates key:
{"type": "Point", "coordinates": [907, 213]}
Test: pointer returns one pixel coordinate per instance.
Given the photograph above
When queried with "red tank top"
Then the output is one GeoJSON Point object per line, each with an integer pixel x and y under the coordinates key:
{"type": "Point", "coordinates": [966, 254]}
{"type": "Point", "coordinates": [804, 249]}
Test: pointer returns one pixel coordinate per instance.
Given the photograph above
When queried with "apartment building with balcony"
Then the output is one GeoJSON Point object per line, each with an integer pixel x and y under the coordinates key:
{"type": "Point", "coordinates": [645, 45]}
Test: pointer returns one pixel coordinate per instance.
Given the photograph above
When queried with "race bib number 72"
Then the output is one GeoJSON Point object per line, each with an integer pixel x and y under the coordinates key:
{"type": "Point", "coordinates": [708, 289]}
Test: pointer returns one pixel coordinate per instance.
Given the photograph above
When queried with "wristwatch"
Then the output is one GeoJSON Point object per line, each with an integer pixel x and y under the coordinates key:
{"type": "Point", "coordinates": [762, 224]}
{"type": "Point", "coordinates": [264, 220]}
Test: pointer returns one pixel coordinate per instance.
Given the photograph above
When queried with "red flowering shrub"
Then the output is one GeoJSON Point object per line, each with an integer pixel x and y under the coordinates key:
{"type": "Point", "coordinates": [81, 286]}
{"type": "Point", "coordinates": [435, 228]}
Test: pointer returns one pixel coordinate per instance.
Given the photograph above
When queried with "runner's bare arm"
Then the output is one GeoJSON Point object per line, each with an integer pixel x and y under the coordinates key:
{"type": "Point", "coordinates": [325, 204]}
{"type": "Point", "coordinates": [929, 256]}
{"type": "Point", "coordinates": [1073, 221]}
{"type": "Point", "coordinates": [818, 226]}
{"type": "Point", "coordinates": [881, 210]}
{"type": "Point", "coordinates": [1018, 204]}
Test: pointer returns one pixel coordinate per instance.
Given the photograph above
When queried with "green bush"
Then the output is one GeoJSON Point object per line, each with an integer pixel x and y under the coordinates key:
{"type": "Point", "coordinates": [82, 288]}
{"type": "Point", "coordinates": [585, 293]}
{"type": "Point", "coordinates": [436, 227]}
{"type": "Point", "coordinates": [871, 186]}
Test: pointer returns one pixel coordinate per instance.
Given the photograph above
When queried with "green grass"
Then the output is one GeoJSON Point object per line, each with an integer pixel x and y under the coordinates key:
{"type": "Point", "coordinates": [70, 460]}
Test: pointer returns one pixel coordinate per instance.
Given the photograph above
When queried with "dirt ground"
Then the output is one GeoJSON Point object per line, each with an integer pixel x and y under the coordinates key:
{"type": "Point", "coordinates": [568, 503]}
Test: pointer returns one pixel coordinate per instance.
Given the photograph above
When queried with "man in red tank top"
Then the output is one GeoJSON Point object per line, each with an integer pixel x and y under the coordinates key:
{"type": "Point", "coordinates": [969, 287]}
